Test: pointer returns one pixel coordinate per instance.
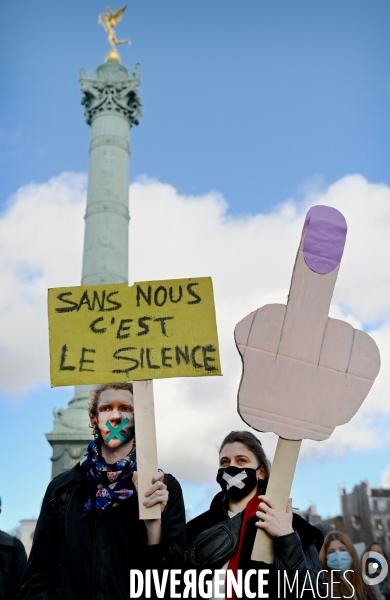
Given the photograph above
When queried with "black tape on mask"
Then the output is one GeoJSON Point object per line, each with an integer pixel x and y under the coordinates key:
{"type": "Point", "coordinates": [237, 482]}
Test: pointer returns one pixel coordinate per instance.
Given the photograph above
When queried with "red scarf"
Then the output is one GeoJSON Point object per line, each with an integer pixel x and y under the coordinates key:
{"type": "Point", "coordinates": [250, 511]}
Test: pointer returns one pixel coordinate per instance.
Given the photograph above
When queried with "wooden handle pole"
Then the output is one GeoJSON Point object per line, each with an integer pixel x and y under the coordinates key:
{"type": "Point", "coordinates": [279, 488]}
{"type": "Point", "coordinates": [145, 435]}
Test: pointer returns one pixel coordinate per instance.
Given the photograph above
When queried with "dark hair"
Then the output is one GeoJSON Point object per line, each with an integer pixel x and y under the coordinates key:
{"type": "Point", "coordinates": [96, 390]}
{"type": "Point", "coordinates": [370, 545]}
{"type": "Point", "coordinates": [254, 444]}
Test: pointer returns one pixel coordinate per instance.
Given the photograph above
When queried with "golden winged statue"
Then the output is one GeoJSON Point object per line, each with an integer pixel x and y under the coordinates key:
{"type": "Point", "coordinates": [109, 20]}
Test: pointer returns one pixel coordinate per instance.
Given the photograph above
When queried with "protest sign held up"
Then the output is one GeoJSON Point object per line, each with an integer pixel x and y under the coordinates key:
{"type": "Point", "coordinates": [154, 329]}
{"type": "Point", "coordinates": [151, 330]}
{"type": "Point", "coordinates": [303, 372]}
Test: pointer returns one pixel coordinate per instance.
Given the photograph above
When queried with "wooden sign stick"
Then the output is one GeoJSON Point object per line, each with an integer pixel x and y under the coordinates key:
{"type": "Point", "coordinates": [279, 488]}
{"type": "Point", "coordinates": [145, 436]}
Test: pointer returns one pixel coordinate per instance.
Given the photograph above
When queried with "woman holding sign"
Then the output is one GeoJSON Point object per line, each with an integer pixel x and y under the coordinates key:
{"type": "Point", "coordinates": [228, 529]}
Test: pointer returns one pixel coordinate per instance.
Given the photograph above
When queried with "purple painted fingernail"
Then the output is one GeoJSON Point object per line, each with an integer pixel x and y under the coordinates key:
{"type": "Point", "coordinates": [326, 230]}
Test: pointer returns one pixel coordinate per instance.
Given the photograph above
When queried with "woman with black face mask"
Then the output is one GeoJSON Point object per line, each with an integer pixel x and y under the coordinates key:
{"type": "Point", "coordinates": [222, 537]}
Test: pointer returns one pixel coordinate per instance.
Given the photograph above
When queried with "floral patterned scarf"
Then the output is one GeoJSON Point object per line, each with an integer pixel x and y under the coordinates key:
{"type": "Point", "coordinates": [109, 483]}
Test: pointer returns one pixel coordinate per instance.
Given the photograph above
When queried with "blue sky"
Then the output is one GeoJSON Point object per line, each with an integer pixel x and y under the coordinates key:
{"type": "Point", "coordinates": [260, 102]}
{"type": "Point", "coordinates": [248, 98]}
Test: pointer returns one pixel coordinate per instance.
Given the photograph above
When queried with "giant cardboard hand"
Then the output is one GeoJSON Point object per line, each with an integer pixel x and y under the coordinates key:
{"type": "Point", "coordinates": [303, 372]}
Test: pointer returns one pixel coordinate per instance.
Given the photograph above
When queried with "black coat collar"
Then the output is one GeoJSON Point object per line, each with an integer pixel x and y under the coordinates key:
{"type": "Point", "coordinates": [6, 539]}
{"type": "Point", "coordinates": [75, 475]}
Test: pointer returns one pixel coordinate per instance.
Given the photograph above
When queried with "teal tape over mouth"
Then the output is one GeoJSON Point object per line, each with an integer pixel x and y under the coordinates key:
{"type": "Point", "coordinates": [116, 431]}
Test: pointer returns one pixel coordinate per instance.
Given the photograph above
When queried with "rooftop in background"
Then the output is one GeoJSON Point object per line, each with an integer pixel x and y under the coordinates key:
{"type": "Point", "coordinates": [380, 493]}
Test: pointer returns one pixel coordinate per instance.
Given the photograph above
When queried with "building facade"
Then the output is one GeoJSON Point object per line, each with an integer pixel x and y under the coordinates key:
{"type": "Point", "coordinates": [366, 514]}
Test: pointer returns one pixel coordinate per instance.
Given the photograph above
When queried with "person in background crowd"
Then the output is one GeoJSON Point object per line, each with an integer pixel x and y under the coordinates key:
{"type": "Point", "coordinates": [243, 475]}
{"type": "Point", "coordinates": [324, 527]}
{"type": "Point", "coordinates": [13, 561]}
{"type": "Point", "coordinates": [339, 555]}
{"type": "Point", "coordinates": [89, 535]}
{"type": "Point", "coordinates": [384, 586]}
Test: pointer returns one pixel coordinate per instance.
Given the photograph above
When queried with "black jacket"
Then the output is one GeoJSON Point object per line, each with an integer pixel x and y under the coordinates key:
{"type": "Point", "coordinates": [89, 555]}
{"type": "Point", "coordinates": [13, 560]}
{"type": "Point", "coordinates": [294, 553]}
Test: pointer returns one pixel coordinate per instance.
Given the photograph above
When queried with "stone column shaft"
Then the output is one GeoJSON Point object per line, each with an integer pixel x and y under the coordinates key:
{"type": "Point", "coordinates": [107, 216]}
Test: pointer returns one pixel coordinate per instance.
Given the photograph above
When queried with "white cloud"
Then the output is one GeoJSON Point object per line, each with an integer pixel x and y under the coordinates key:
{"type": "Point", "coordinates": [364, 280]}
{"type": "Point", "coordinates": [250, 259]}
{"type": "Point", "coordinates": [41, 233]}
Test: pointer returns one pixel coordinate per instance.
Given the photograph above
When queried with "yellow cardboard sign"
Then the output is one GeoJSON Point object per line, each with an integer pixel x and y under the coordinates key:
{"type": "Point", "coordinates": [154, 329]}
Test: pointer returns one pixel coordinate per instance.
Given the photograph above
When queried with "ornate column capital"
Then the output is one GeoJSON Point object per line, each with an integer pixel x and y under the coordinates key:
{"type": "Point", "coordinates": [111, 90]}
